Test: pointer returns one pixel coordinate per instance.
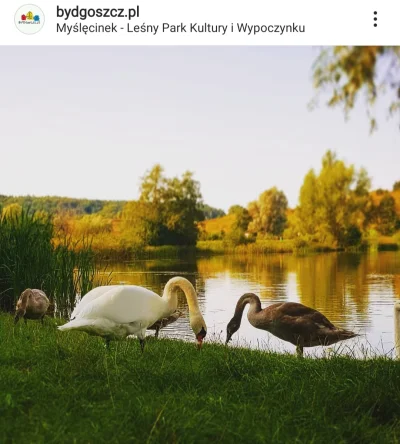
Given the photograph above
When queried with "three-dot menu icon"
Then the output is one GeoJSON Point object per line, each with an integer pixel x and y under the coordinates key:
{"type": "Point", "coordinates": [375, 18]}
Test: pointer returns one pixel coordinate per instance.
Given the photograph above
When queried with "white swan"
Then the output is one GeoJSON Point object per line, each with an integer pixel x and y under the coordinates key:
{"type": "Point", "coordinates": [397, 329]}
{"type": "Point", "coordinates": [117, 311]}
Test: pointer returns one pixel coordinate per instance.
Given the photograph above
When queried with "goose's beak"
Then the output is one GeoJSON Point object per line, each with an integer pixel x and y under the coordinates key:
{"type": "Point", "coordinates": [199, 343]}
{"type": "Point", "coordinates": [228, 338]}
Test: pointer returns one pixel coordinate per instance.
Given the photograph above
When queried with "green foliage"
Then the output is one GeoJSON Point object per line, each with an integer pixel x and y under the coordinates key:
{"type": "Point", "coordinates": [65, 387]}
{"type": "Point", "coordinates": [385, 215]}
{"type": "Point", "coordinates": [211, 212]}
{"type": "Point", "coordinates": [167, 212]}
{"type": "Point", "coordinates": [350, 236]}
{"type": "Point", "coordinates": [54, 204]}
{"type": "Point", "coordinates": [334, 205]}
{"type": "Point", "coordinates": [29, 259]}
{"type": "Point", "coordinates": [140, 224]}
{"type": "Point", "coordinates": [235, 209]}
{"type": "Point", "coordinates": [268, 214]}
{"type": "Point", "coordinates": [349, 70]}
{"type": "Point", "coordinates": [181, 210]}
{"type": "Point", "coordinates": [238, 234]}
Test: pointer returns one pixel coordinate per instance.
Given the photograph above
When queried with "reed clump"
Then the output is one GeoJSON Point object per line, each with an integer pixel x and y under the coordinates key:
{"type": "Point", "coordinates": [29, 258]}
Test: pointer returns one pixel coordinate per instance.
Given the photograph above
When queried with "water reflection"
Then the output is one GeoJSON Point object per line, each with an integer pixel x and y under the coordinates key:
{"type": "Point", "coordinates": [355, 291]}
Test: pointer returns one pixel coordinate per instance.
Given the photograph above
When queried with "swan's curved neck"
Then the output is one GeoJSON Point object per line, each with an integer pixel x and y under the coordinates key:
{"type": "Point", "coordinates": [170, 294]}
{"type": "Point", "coordinates": [247, 298]}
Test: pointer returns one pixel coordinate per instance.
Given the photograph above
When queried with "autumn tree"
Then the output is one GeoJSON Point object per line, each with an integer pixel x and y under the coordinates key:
{"type": "Point", "coordinates": [396, 186]}
{"type": "Point", "coordinates": [385, 215]}
{"type": "Point", "coordinates": [268, 213]}
{"type": "Point", "coordinates": [167, 211]}
{"type": "Point", "coordinates": [181, 210]}
{"type": "Point", "coordinates": [153, 186]}
{"type": "Point", "coordinates": [349, 71]}
{"type": "Point", "coordinates": [140, 224]}
{"type": "Point", "coordinates": [333, 204]}
{"type": "Point", "coordinates": [237, 235]}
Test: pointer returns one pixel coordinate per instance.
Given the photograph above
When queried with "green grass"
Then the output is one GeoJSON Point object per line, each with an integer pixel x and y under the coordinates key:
{"type": "Point", "coordinates": [58, 387]}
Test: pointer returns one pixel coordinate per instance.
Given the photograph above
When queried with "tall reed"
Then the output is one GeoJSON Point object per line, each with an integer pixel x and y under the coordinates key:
{"type": "Point", "coordinates": [29, 259]}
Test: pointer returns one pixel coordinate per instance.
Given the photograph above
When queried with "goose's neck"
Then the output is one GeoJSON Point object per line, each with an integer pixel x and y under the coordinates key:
{"type": "Point", "coordinates": [24, 298]}
{"type": "Point", "coordinates": [255, 306]}
{"type": "Point", "coordinates": [170, 294]}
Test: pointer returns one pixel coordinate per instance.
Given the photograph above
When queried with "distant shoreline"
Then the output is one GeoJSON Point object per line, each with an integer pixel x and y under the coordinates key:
{"type": "Point", "coordinates": [218, 247]}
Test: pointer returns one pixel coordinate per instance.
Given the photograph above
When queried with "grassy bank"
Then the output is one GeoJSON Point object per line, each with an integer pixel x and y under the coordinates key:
{"type": "Point", "coordinates": [260, 247]}
{"type": "Point", "coordinates": [65, 387]}
{"type": "Point", "coordinates": [210, 248]}
{"type": "Point", "coordinates": [219, 247]}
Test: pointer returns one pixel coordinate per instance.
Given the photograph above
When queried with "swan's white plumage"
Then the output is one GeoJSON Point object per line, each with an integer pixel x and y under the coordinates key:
{"type": "Point", "coordinates": [116, 311]}
{"type": "Point", "coordinates": [89, 297]}
{"type": "Point", "coordinates": [126, 304]}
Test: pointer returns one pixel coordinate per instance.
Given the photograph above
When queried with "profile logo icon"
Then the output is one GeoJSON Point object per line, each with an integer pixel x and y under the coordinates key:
{"type": "Point", "coordinates": [29, 19]}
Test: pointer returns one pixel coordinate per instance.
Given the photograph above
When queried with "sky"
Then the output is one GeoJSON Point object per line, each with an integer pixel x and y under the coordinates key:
{"type": "Point", "coordinates": [88, 122]}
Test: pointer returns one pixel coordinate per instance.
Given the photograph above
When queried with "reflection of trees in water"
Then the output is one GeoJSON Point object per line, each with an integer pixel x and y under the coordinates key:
{"type": "Point", "coordinates": [335, 283]}
{"type": "Point", "coordinates": [385, 264]}
{"type": "Point", "coordinates": [316, 281]}
{"type": "Point", "coordinates": [269, 272]}
{"type": "Point", "coordinates": [327, 281]}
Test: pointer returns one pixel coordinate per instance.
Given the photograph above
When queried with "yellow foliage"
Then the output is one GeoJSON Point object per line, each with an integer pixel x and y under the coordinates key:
{"type": "Point", "coordinates": [12, 210]}
{"type": "Point", "coordinates": [216, 226]}
{"type": "Point", "coordinates": [376, 198]}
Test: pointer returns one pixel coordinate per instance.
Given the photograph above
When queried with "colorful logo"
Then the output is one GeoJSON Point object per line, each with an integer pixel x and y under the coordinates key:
{"type": "Point", "coordinates": [29, 19]}
{"type": "Point", "coordinates": [30, 16]}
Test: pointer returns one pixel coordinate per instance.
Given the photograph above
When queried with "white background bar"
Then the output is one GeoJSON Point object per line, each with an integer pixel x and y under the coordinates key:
{"type": "Point", "coordinates": [349, 22]}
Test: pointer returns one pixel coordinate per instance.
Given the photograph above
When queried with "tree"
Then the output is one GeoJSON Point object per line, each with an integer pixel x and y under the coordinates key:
{"type": "Point", "coordinates": [211, 212]}
{"type": "Point", "coordinates": [140, 224]}
{"type": "Point", "coordinates": [349, 70]}
{"type": "Point", "coordinates": [182, 210]}
{"type": "Point", "coordinates": [305, 222]}
{"type": "Point", "coordinates": [235, 209]}
{"type": "Point", "coordinates": [237, 235]}
{"type": "Point", "coordinates": [332, 205]}
{"type": "Point", "coordinates": [268, 213]}
{"type": "Point", "coordinates": [396, 186]}
{"type": "Point", "coordinates": [153, 185]}
{"type": "Point", "coordinates": [385, 216]}
{"type": "Point", "coordinates": [167, 211]}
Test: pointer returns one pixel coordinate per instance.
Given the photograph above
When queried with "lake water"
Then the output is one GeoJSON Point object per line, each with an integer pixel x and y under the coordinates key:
{"type": "Point", "coordinates": [355, 291]}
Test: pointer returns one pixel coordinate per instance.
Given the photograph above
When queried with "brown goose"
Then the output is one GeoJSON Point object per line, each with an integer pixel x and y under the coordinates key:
{"type": "Point", "coordinates": [165, 321]}
{"type": "Point", "coordinates": [32, 304]}
{"type": "Point", "coordinates": [295, 323]}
